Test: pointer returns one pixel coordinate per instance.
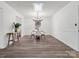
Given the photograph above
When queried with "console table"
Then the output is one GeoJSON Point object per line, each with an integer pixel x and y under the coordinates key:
{"type": "Point", "coordinates": [14, 35]}
{"type": "Point", "coordinates": [10, 40]}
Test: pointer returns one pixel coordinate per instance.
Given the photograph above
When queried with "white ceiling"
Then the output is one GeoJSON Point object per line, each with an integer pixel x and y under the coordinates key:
{"type": "Point", "coordinates": [26, 7]}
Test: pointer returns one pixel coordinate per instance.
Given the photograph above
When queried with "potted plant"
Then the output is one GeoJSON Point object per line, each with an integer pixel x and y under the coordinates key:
{"type": "Point", "coordinates": [17, 25]}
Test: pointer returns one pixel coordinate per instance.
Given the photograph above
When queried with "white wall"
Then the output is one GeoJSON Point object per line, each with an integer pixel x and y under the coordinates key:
{"type": "Point", "coordinates": [9, 16]}
{"type": "Point", "coordinates": [63, 25]}
{"type": "Point", "coordinates": [29, 25]}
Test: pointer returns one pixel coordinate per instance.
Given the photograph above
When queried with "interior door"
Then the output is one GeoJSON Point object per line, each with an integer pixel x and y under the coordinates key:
{"type": "Point", "coordinates": [1, 22]}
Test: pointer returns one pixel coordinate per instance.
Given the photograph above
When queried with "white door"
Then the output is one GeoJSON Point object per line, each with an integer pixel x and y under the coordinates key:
{"type": "Point", "coordinates": [1, 22]}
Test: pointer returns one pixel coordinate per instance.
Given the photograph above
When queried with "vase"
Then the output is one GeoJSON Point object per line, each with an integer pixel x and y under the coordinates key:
{"type": "Point", "coordinates": [16, 29]}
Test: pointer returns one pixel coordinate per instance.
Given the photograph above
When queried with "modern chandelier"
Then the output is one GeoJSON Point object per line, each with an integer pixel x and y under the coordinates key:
{"type": "Point", "coordinates": [38, 11]}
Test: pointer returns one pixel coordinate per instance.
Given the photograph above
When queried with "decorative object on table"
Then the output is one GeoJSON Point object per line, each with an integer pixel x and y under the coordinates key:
{"type": "Point", "coordinates": [17, 33]}
{"type": "Point", "coordinates": [17, 25]}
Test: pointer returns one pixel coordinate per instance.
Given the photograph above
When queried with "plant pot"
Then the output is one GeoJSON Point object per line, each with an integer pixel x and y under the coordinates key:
{"type": "Point", "coordinates": [16, 29]}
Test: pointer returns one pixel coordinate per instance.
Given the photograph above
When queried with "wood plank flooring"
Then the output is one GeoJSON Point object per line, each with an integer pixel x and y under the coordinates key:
{"type": "Point", "coordinates": [30, 48]}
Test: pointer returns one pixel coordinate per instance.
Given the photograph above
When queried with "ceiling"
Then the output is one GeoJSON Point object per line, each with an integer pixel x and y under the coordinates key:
{"type": "Point", "coordinates": [26, 7]}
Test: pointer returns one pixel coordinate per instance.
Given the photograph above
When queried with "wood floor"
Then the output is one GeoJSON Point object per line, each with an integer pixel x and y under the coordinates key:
{"type": "Point", "coordinates": [30, 48]}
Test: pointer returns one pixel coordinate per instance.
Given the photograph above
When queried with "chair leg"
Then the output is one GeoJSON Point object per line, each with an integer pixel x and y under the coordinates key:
{"type": "Point", "coordinates": [43, 36]}
{"type": "Point", "coordinates": [32, 36]}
